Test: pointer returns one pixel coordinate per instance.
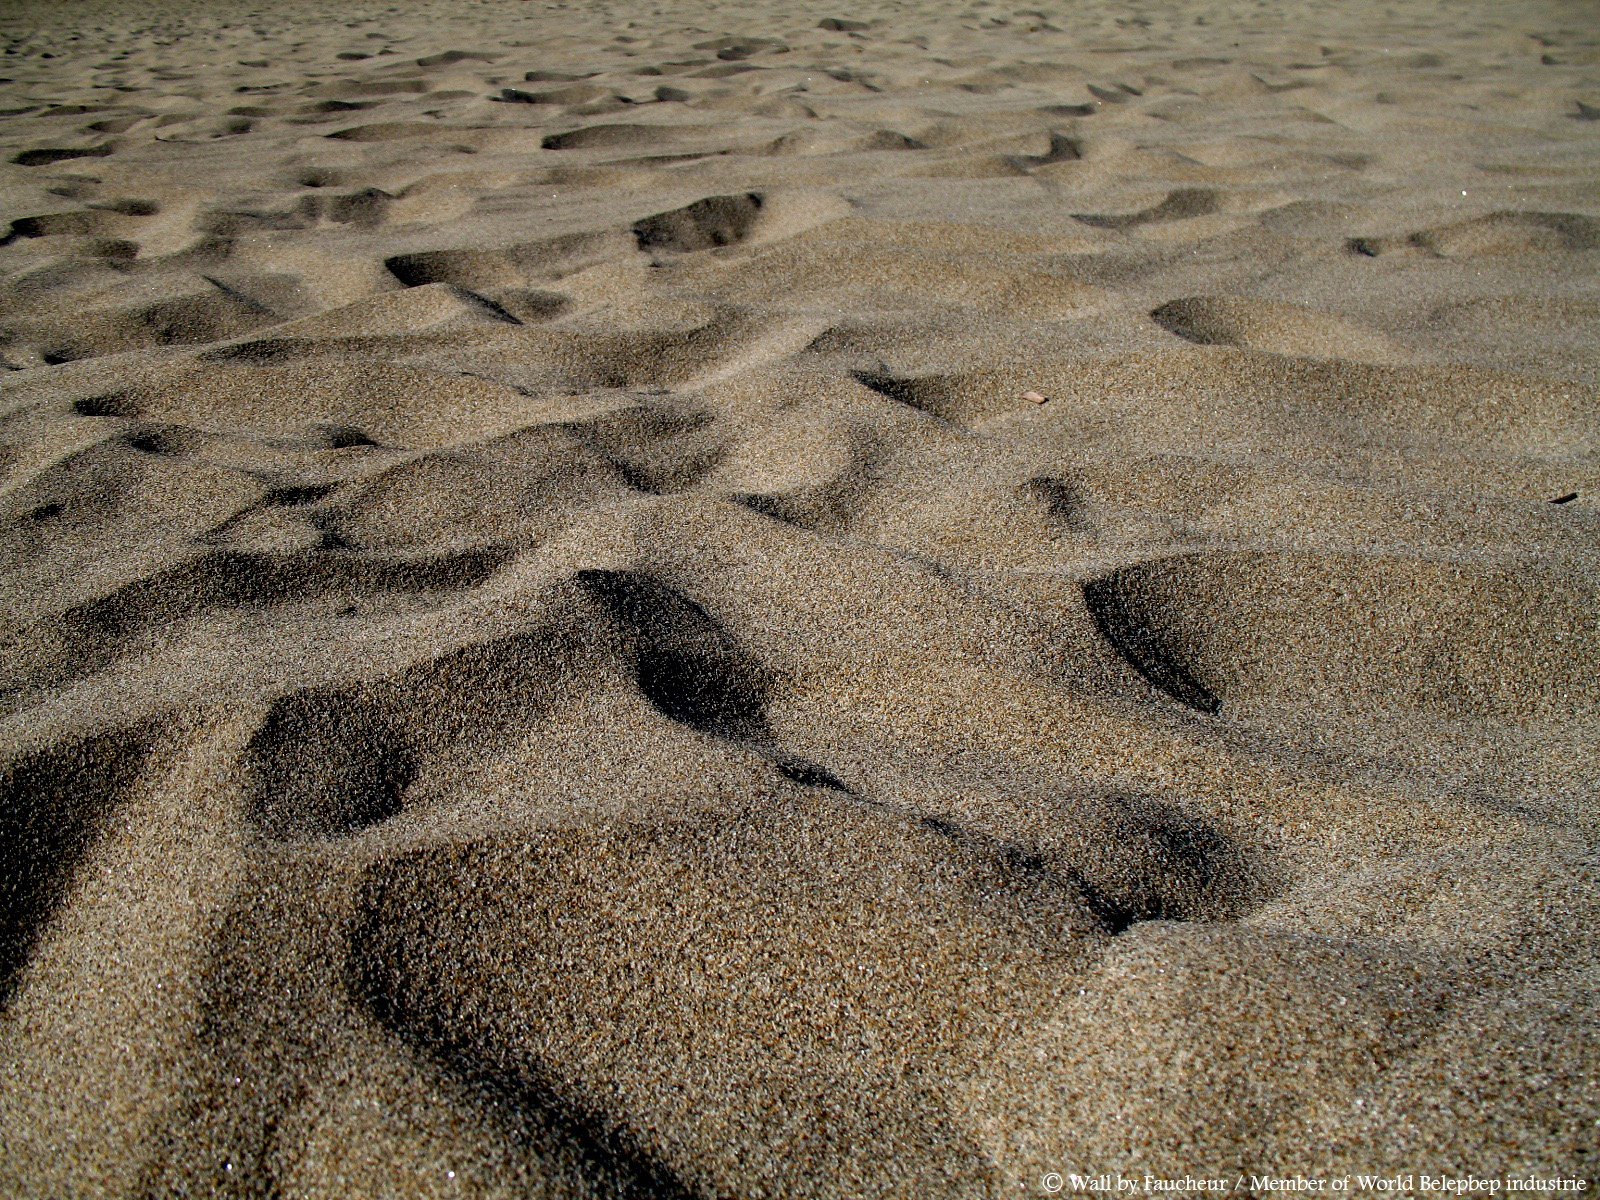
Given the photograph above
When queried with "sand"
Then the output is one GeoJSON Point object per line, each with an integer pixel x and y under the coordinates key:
{"type": "Point", "coordinates": [732, 600]}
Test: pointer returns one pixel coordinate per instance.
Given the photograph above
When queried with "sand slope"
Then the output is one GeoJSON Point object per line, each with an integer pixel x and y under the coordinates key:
{"type": "Point", "coordinates": [738, 601]}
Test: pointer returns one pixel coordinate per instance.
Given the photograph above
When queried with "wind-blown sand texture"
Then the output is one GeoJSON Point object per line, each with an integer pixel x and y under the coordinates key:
{"type": "Point", "coordinates": [547, 651]}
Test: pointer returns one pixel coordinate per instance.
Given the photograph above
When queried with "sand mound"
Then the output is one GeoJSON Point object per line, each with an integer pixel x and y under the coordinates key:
{"type": "Point", "coordinates": [1279, 328]}
{"type": "Point", "coordinates": [1354, 636]}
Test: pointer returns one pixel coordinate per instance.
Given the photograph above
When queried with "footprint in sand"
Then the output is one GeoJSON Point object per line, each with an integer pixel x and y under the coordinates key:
{"type": "Point", "coordinates": [1501, 233]}
{"type": "Point", "coordinates": [1179, 205]}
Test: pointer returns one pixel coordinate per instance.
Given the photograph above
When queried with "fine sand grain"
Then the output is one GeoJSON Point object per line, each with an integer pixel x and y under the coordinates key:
{"type": "Point", "coordinates": [728, 600]}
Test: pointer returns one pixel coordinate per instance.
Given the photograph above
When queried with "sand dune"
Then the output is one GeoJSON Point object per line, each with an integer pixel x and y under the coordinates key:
{"type": "Point", "coordinates": [727, 601]}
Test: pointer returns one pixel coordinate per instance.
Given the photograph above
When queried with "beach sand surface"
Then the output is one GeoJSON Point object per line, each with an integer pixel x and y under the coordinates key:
{"type": "Point", "coordinates": [751, 600]}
